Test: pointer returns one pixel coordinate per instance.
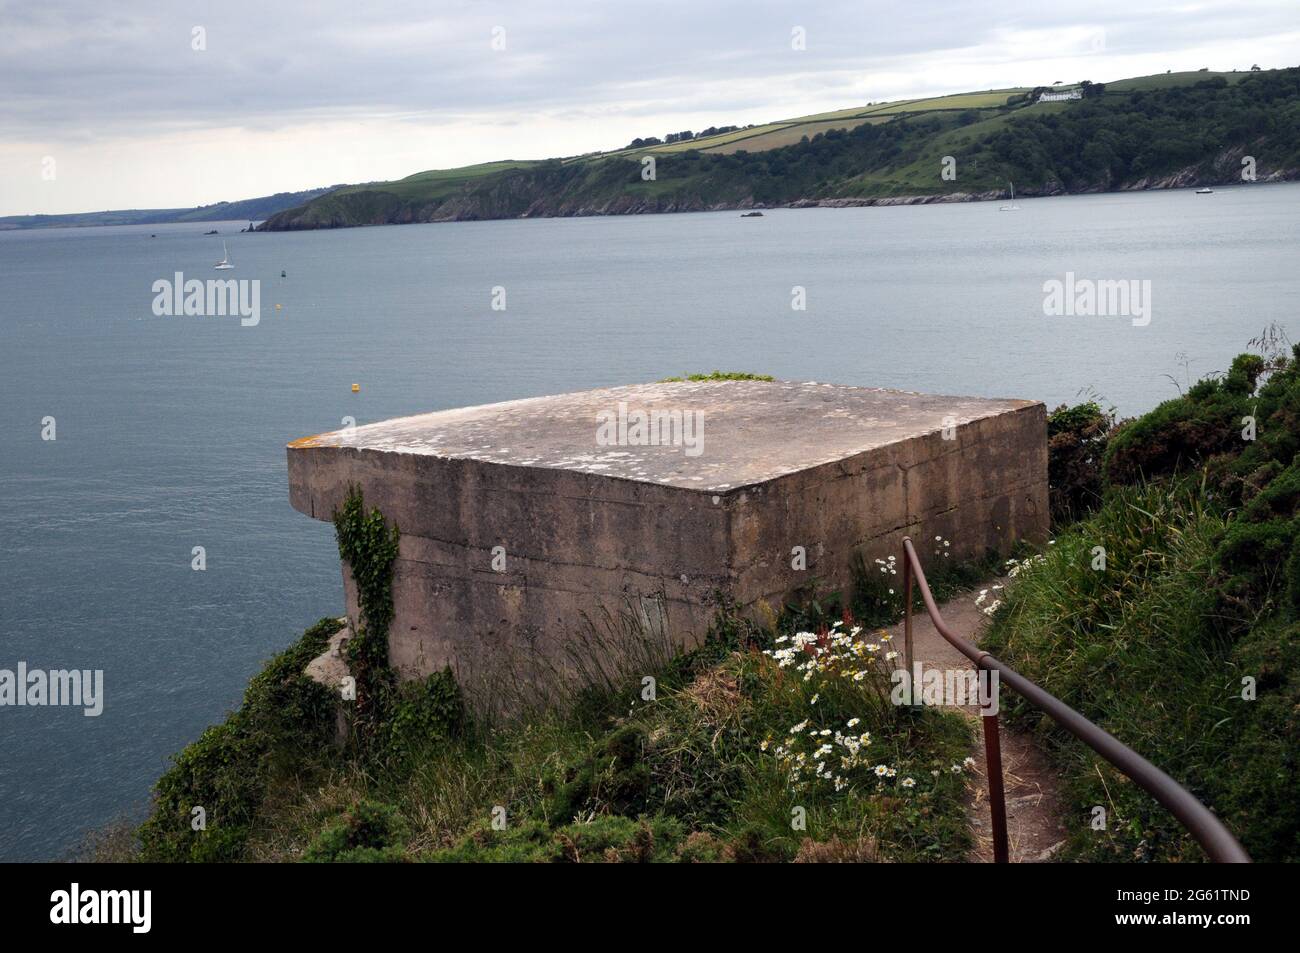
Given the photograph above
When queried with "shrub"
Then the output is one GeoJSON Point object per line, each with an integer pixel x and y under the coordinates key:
{"type": "Point", "coordinates": [418, 714]}
{"type": "Point", "coordinates": [1208, 424]}
{"type": "Point", "coordinates": [369, 832]}
{"type": "Point", "coordinates": [1077, 438]}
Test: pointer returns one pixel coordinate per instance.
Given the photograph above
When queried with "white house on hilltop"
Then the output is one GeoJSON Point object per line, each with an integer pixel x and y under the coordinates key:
{"type": "Point", "coordinates": [1060, 96]}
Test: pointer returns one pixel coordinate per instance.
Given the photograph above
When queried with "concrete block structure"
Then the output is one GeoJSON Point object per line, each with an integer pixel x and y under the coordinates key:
{"type": "Point", "coordinates": [525, 521]}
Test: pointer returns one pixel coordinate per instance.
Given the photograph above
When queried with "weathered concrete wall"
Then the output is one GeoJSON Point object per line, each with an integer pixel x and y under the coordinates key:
{"type": "Point", "coordinates": [652, 532]}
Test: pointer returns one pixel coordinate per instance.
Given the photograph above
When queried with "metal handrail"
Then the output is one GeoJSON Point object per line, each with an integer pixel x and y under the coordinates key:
{"type": "Point", "coordinates": [1208, 830]}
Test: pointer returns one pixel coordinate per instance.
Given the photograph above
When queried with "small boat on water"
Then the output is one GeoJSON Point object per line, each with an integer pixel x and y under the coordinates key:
{"type": "Point", "coordinates": [752, 215]}
{"type": "Point", "coordinates": [1205, 191]}
{"type": "Point", "coordinates": [224, 264]}
{"type": "Point", "coordinates": [1013, 207]}
{"type": "Point", "coordinates": [213, 232]}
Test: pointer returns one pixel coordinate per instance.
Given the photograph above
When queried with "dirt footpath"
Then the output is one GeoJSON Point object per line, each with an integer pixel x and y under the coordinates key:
{"type": "Point", "coordinates": [1035, 831]}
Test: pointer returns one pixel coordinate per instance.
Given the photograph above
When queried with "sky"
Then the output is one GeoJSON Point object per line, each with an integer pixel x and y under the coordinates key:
{"type": "Point", "coordinates": [142, 104]}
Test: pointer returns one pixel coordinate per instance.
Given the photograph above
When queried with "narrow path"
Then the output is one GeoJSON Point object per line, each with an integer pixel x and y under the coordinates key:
{"type": "Point", "coordinates": [1034, 805]}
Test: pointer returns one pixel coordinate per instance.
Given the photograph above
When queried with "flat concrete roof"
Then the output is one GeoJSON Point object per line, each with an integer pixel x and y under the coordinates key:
{"type": "Point", "coordinates": [752, 431]}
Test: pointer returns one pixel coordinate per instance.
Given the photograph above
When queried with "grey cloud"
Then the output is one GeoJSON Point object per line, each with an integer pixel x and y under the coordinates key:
{"type": "Point", "coordinates": [77, 69]}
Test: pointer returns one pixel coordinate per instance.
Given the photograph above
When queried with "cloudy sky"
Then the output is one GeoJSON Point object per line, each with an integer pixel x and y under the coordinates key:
{"type": "Point", "coordinates": [143, 104]}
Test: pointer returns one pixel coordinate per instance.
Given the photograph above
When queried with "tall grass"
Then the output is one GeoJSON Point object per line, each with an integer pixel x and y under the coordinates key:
{"type": "Point", "coordinates": [689, 771]}
{"type": "Point", "coordinates": [1147, 648]}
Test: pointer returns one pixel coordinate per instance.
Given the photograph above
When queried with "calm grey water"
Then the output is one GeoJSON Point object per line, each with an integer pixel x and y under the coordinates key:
{"type": "Point", "coordinates": [171, 431]}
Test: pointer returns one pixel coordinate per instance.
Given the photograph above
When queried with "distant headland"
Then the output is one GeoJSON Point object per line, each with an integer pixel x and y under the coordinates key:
{"type": "Point", "coordinates": [1169, 130]}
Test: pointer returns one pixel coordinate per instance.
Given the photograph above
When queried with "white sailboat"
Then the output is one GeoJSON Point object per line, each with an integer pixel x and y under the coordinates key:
{"type": "Point", "coordinates": [1013, 207]}
{"type": "Point", "coordinates": [224, 264]}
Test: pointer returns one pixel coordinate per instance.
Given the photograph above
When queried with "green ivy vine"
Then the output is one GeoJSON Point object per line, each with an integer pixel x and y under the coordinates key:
{"type": "Point", "coordinates": [369, 546]}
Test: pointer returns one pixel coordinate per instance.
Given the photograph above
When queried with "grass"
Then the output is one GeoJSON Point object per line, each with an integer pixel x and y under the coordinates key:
{"type": "Point", "coordinates": [1170, 616]}
{"type": "Point", "coordinates": [785, 132]}
{"type": "Point", "coordinates": [987, 100]}
{"type": "Point", "coordinates": [1147, 649]}
{"type": "Point", "coordinates": [786, 135]}
{"type": "Point", "coordinates": [920, 173]}
{"type": "Point", "coordinates": [700, 768]}
{"type": "Point", "coordinates": [719, 376]}
{"type": "Point", "coordinates": [1169, 80]}
{"type": "Point", "coordinates": [438, 182]}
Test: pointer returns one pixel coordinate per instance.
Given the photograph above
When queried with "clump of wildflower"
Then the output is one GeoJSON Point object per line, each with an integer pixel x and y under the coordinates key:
{"type": "Point", "coordinates": [814, 752]}
{"type": "Point", "coordinates": [836, 653]}
{"type": "Point", "coordinates": [1016, 566]}
{"type": "Point", "coordinates": [992, 607]}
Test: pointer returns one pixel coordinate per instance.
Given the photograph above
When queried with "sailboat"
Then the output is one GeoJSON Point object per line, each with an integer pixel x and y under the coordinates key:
{"type": "Point", "coordinates": [1013, 207]}
{"type": "Point", "coordinates": [224, 264]}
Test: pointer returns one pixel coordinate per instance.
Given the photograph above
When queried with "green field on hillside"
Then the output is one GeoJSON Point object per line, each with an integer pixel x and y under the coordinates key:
{"type": "Point", "coordinates": [1167, 80]}
{"type": "Point", "coordinates": [439, 181]}
{"type": "Point", "coordinates": [784, 132]}
{"type": "Point", "coordinates": [786, 135]}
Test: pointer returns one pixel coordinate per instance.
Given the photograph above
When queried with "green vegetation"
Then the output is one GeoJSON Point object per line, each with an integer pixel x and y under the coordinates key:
{"type": "Point", "coordinates": [393, 721]}
{"type": "Point", "coordinates": [1192, 127]}
{"type": "Point", "coordinates": [719, 376]}
{"type": "Point", "coordinates": [711, 761]}
{"type": "Point", "coordinates": [369, 547]}
{"type": "Point", "coordinates": [763, 744]}
{"type": "Point", "coordinates": [1129, 137]}
{"type": "Point", "coordinates": [1198, 593]}
{"type": "Point", "coordinates": [1077, 438]}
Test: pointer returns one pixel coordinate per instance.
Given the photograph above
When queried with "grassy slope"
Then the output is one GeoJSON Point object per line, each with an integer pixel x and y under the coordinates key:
{"type": "Point", "coordinates": [788, 135]}
{"type": "Point", "coordinates": [1200, 589]}
{"type": "Point", "coordinates": [1168, 80]}
{"type": "Point", "coordinates": [692, 774]}
{"type": "Point", "coordinates": [438, 182]}
{"type": "Point", "coordinates": [917, 176]}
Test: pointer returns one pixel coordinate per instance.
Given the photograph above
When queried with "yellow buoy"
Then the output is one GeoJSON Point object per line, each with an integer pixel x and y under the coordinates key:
{"type": "Point", "coordinates": [356, 388]}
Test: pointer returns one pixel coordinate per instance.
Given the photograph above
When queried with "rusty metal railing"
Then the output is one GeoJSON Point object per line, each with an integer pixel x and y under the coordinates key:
{"type": "Point", "coordinates": [1208, 830]}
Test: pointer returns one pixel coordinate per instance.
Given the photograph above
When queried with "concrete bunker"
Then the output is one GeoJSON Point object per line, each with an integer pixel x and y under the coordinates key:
{"type": "Point", "coordinates": [526, 520]}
